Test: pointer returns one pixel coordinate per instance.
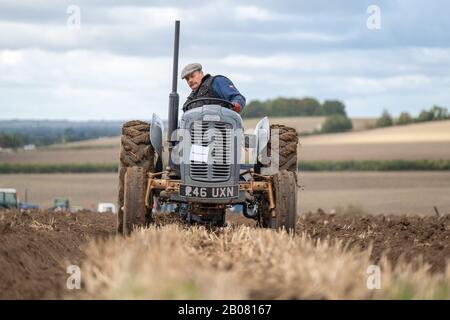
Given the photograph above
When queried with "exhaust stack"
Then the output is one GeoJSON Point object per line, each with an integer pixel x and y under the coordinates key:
{"type": "Point", "coordinates": [173, 97]}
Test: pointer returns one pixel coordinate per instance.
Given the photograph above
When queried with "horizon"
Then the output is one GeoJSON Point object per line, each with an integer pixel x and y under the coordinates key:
{"type": "Point", "coordinates": [164, 119]}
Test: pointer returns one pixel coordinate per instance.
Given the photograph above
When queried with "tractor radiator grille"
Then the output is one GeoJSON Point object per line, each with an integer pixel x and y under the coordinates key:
{"type": "Point", "coordinates": [218, 136]}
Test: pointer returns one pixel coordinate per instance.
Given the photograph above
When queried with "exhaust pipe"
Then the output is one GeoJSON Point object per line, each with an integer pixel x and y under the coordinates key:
{"type": "Point", "coordinates": [173, 97]}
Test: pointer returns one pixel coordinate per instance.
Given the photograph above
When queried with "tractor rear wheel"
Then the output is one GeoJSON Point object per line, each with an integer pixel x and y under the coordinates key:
{"type": "Point", "coordinates": [135, 151]}
{"type": "Point", "coordinates": [134, 210]}
{"type": "Point", "coordinates": [288, 141]}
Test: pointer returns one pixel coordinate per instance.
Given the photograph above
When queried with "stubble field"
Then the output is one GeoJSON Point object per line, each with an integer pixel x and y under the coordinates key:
{"type": "Point", "coordinates": [330, 257]}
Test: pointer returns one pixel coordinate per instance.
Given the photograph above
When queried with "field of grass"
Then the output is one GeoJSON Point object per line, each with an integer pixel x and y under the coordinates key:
{"type": "Point", "coordinates": [109, 142]}
{"type": "Point", "coordinates": [57, 168]}
{"type": "Point", "coordinates": [374, 165]}
{"type": "Point", "coordinates": [375, 192]}
{"type": "Point", "coordinates": [305, 166]}
{"type": "Point", "coordinates": [85, 190]}
{"type": "Point", "coordinates": [245, 263]}
{"type": "Point", "coordinates": [91, 155]}
{"type": "Point", "coordinates": [412, 142]}
{"type": "Point", "coordinates": [436, 131]}
{"type": "Point", "coordinates": [342, 165]}
{"type": "Point", "coordinates": [375, 151]}
{"type": "Point", "coordinates": [301, 124]}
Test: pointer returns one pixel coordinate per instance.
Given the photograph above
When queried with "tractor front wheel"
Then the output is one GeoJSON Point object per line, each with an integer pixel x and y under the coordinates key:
{"type": "Point", "coordinates": [134, 209]}
{"type": "Point", "coordinates": [284, 215]}
{"type": "Point", "coordinates": [135, 151]}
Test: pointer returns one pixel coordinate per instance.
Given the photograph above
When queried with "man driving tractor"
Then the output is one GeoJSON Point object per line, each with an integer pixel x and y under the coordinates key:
{"type": "Point", "coordinates": [207, 177]}
{"type": "Point", "coordinates": [207, 86]}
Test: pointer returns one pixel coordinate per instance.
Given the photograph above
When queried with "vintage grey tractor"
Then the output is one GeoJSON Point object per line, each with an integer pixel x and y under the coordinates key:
{"type": "Point", "coordinates": [212, 165]}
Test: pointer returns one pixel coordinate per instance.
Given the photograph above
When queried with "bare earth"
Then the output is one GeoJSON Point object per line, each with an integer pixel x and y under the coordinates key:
{"type": "Point", "coordinates": [375, 192]}
{"type": "Point", "coordinates": [38, 246]}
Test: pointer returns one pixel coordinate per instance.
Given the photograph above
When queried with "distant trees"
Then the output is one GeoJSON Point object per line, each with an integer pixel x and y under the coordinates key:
{"type": "Point", "coordinates": [18, 140]}
{"type": "Point", "coordinates": [404, 118]}
{"type": "Point", "coordinates": [293, 107]}
{"type": "Point", "coordinates": [334, 110]}
{"type": "Point", "coordinates": [13, 141]}
{"type": "Point", "coordinates": [435, 113]}
{"type": "Point", "coordinates": [17, 133]}
{"type": "Point", "coordinates": [334, 107]}
{"type": "Point", "coordinates": [337, 123]}
{"type": "Point", "coordinates": [385, 120]}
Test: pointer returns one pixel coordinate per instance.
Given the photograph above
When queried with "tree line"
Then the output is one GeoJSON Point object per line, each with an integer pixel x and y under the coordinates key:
{"type": "Point", "coordinates": [17, 133]}
{"type": "Point", "coordinates": [44, 138]}
{"type": "Point", "coordinates": [335, 113]}
{"type": "Point", "coordinates": [285, 107]}
{"type": "Point", "coordinates": [435, 113]}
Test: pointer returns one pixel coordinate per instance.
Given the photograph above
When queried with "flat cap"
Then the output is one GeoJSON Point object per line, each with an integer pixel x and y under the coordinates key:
{"type": "Point", "coordinates": [190, 68]}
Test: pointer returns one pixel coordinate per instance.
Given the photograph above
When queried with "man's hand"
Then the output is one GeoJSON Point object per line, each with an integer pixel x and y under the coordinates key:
{"type": "Point", "coordinates": [237, 107]}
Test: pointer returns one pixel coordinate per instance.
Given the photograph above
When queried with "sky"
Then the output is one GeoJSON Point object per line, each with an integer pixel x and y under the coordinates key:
{"type": "Point", "coordinates": [112, 60]}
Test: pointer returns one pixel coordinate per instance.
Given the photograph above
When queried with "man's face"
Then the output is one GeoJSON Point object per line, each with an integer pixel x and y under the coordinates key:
{"type": "Point", "coordinates": [194, 79]}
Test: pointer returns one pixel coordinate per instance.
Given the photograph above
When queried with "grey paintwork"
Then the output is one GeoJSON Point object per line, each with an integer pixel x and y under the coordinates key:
{"type": "Point", "coordinates": [262, 132]}
{"type": "Point", "coordinates": [156, 134]}
{"type": "Point", "coordinates": [226, 116]}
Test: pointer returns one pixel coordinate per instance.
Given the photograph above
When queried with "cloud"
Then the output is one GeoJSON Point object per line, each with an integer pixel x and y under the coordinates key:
{"type": "Point", "coordinates": [10, 57]}
{"type": "Point", "coordinates": [311, 37]}
{"type": "Point", "coordinates": [81, 84]}
{"type": "Point", "coordinates": [118, 65]}
{"type": "Point", "coordinates": [254, 13]}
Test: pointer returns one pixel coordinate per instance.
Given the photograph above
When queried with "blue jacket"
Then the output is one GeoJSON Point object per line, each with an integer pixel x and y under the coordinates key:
{"type": "Point", "coordinates": [225, 89]}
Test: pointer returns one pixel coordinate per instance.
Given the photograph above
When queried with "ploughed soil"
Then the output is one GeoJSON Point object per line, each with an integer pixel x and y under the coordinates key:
{"type": "Point", "coordinates": [37, 247]}
{"type": "Point", "coordinates": [407, 237]}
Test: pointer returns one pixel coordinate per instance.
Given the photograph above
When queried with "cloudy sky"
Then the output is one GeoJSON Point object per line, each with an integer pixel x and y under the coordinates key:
{"type": "Point", "coordinates": [117, 64]}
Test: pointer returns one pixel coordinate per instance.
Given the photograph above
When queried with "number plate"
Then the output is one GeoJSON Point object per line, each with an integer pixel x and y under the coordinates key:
{"type": "Point", "coordinates": [209, 192]}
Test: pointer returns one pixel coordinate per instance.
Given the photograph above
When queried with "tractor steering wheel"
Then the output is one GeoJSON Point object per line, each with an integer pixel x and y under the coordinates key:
{"type": "Point", "coordinates": [229, 104]}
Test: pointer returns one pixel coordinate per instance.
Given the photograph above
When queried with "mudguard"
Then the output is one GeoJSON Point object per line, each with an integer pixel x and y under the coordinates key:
{"type": "Point", "coordinates": [156, 135]}
{"type": "Point", "coordinates": [262, 132]}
